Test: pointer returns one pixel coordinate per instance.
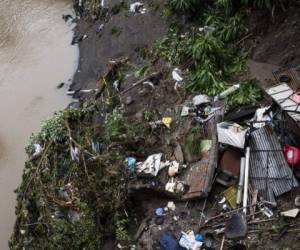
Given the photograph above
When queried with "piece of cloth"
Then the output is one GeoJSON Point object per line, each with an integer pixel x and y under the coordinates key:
{"type": "Point", "coordinates": [168, 241]}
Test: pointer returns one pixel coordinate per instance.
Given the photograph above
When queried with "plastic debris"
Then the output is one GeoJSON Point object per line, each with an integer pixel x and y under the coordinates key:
{"type": "Point", "coordinates": [291, 213]}
{"type": "Point", "coordinates": [173, 168]}
{"type": "Point", "coordinates": [152, 165]}
{"type": "Point", "coordinates": [167, 121]}
{"type": "Point", "coordinates": [232, 134]}
{"type": "Point", "coordinates": [229, 91]}
{"type": "Point", "coordinates": [188, 241]}
{"type": "Point", "coordinates": [230, 195]}
{"type": "Point", "coordinates": [185, 111]}
{"type": "Point", "coordinates": [236, 227]}
{"type": "Point", "coordinates": [208, 29]}
{"type": "Point", "coordinates": [174, 186]}
{"type": "Point", "coordinates": [171, 206]}
{"type": "Point", "coordinates": [37, 149]}
{"type": "Point", "coordinates": [262, 117]}
{"type": "Point", "coordinates": [131, 164]}
{"type": "Point", "coordinates": [74, 153]}
{"type": "Point", "coordinates": [176, 75]}
{"type": "Point", "coordinates": [266, 211]}
{"type": "Point", "coordinates": [168, 241]}
{"type": "Point", "coordinates": [292, 154]}
{"type": "Point", "coordinates": [137, 7]}
{"type": "Point", "coordinates": [201, 99]}
{"type": "Point", "coordinates": [198, 237]}
{"type": "Point", "coordinates": [159, 211]}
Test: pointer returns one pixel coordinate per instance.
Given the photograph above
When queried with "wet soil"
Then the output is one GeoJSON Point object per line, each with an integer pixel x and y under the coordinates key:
{"type": "Point", "coordinates": [123, 34]}
{"type": "Point", "coordinates": [276, 39]}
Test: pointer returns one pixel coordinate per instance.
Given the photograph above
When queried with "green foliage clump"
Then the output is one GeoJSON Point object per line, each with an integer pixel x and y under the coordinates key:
{"type": "Point", "coordinates": [184, 5]}
{"type": "Point", "coordinates": [48, 216]}
{"type": "Point", "coordinates": [115, 128]}
{"type": "Point", "coordinates": [248, 93]}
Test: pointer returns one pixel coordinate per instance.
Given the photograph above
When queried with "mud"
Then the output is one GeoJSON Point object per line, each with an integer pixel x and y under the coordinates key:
{"type": "Point", "coordinates": [123, 34]}
{"type": "Point", "coordinates": [276, 39]}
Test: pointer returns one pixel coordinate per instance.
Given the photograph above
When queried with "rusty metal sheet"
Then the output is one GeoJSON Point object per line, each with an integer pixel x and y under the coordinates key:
{"type": "Point", "coordinates": [230, 162]}
{"type": "Point", "coordinates": [197, 179]}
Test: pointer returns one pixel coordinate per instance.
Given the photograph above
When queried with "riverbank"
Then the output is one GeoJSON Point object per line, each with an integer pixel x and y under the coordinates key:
{"type": "Point", "coordinates": [35, 56]}
{"type": "Point", "coordinates": [84, 188]}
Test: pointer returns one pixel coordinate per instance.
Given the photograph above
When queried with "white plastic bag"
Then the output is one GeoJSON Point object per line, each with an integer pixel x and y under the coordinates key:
{"type": "Point", "coordinates": [231, 134]}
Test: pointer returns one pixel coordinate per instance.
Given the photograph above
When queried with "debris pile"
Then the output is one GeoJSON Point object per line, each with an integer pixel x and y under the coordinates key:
{"type": "Point", "coordinates": [143, 164]}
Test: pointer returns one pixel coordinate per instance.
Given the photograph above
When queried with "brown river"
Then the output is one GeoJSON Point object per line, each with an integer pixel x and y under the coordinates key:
{"type": "Point", "coordinates": [35, 56]}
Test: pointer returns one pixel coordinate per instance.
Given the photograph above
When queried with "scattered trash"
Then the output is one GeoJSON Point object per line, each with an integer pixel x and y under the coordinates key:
{"type": "Point", "coordinates": [131, 164]}
{"type": "Point", "coordinates": [78, 39]}
{"type": "Point", "coordinates": [37, 149]}
{"type": "Point", "coordinates": [231, 134]}
{"type": "Point", "coordinates": [198, 237]}
{"type": "Point", "coordinates": [173, 168]}
{"type": "Point", "coordinates": [231, 196]}
{"type": "Point", "coordinates": [168, 241]}
{"type": "Point", "coordinates": [167, 121]}
{"type": "Point", "coordinates": [266, 211]}
{"type": "Point", "coordinates": [174, 186]}
{"type": "Point", "coordinates": [185, 111]}
{"type": "Point", "coordinates": [201, 99]}
{"type": "Point", "coordinates": [188, 241]}
{"type": "Point", "coordinates": [59, 86]}
{"type": "Point", "coordinates": [159, 212]}
{"type": "Point", "coordinates": [236, 227]}
{"type": "Point", "coordinates": [262, 117]}
{"type": "Point", "coordinates": [176, 74]}
{"type": "Point", "coordinates": [171, 206]}
{"type": "Point", "coordinates": [152, 165]}
{"type": "Point", "coordinates": [74, 153]}
{"type": "Point", "coordinates": [291, 213]}
{"type": "Point", "coordinates": [228, 91]}
{"type": "Point", "coordinates": [292, 154]}
{"type": "Point", "coordinates": [208, 29]}
{"type": "Point", "coordinates": [67, 17]}
{"type": "Point", "coordinates": [137, 7]}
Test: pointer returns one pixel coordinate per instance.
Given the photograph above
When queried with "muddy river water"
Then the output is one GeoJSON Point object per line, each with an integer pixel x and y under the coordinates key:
{"type": "Point", "coordinates": [35, 56]}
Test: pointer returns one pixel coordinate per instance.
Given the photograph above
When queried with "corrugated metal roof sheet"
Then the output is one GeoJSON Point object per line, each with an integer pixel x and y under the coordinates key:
{"type": "Point", "coordinates": [269, 172]}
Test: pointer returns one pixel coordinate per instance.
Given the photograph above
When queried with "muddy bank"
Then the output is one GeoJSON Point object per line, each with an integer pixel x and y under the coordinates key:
{"type": "Point", "coordinates": [35, 56]}
{"type": "Point", "coordinates": [275, 39]}
{"type": "Point", "coordinates": [120, 33]}
{"type": "Point", "coordinates": [104, 186]}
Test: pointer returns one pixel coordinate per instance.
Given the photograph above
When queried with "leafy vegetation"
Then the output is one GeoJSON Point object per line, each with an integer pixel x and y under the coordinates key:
{"type": "Point", "coordinates": [184, 5]}
{"type": "Point", "coordinates": [210, 54]}
{"type": "Point", "coordinates": [74, 204]}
